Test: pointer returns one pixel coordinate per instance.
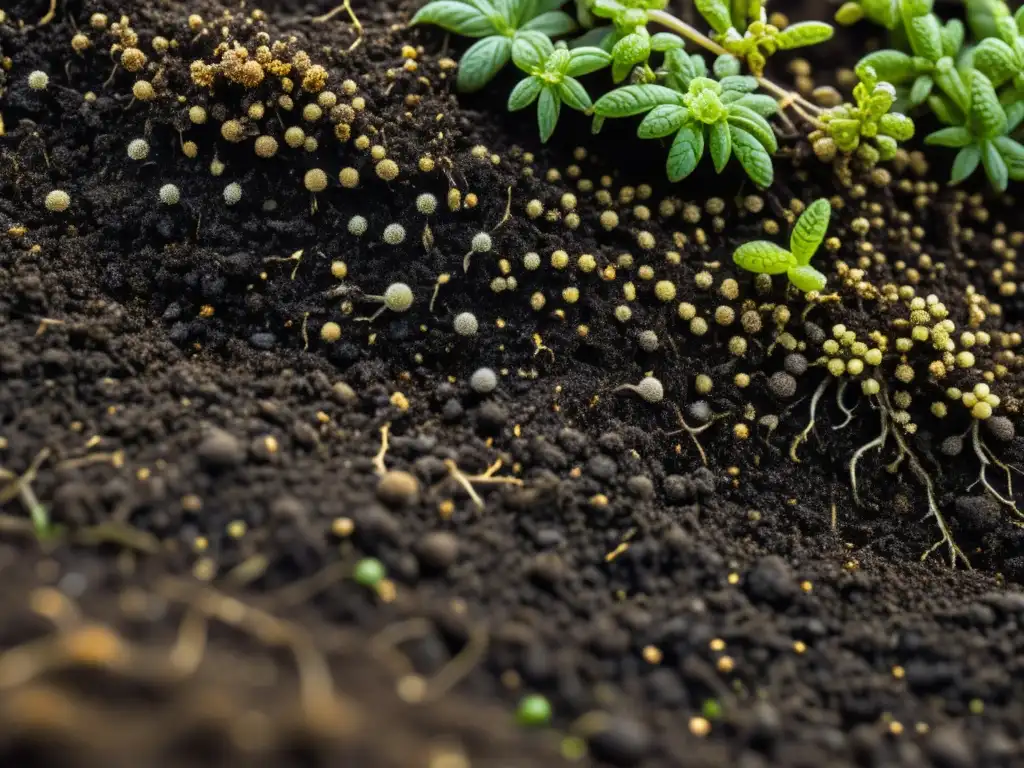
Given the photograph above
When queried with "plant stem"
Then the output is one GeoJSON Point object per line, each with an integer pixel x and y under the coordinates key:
{"type": "Point", "coordinates": [800, 105]}
{"type": "Point", "coordinates": [669, 21]}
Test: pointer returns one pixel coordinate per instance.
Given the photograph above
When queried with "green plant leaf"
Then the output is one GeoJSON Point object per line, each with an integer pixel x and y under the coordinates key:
{"type": "Point", "coordinates": [1013, 153]}
{"type": "Point", "coordinates": [884, 12]}
{"type": "Point", "coordinates": [627, 53]}
{"type": "Point", "coordinates": [965, 163]}
{"type": "Point", "coordinates": [594, 37]}
{"type": "Point", "coordinates": [663, 120]}
{"type": "Point", "coordinates": [631, 100]}
{"type": "Point", "coordinates": [996, 60]}
{"type": "Point", "coordinates": [995, 167]}
{"type": "Point", "coordinates": [925, 36]}
{"type": "Point", "coordinates": [573, 94]}
{"type": "Point", "coordinates": [764, 257]}
{"type": "Point", "coordinates": [739, 83]}
{"type": "Point", "coordinates": [530, 50]}
{"type": "Point", "coordinates": [954, 136]}
{"type": "Point", "coordinates": [583, 61]}
{"type": "Point", "coordinates": [807, 278]}
{"type": "Point", "coordinates": [481, 62]}
{"type": "Point", "coordinates": [763, 105]}
{"type": "Point", "coordinates": [810, 230]}
{"type": "Point", "coordinates": [666, 41]}
{"type": "Point", "coordinates": [896, 125]}
{"type": "Point", "coordinates": [887, 147]}
{"type": "Point", "coordinates": [525, 93]}
{"type": "Point", "coordinates": [726, 65]}
{"type": "Point", "coordinates": [752, 156]}
{"type": "Point", "coordinates": [921, 90]}
{"type": "Point", "coordinates": [755, 125]}
{"type": "Point", "coordinates": [1014, 115]}
{"type": "Point", "coordinates": [987, 113]}
{"type": "Point", "coordinates": [552, 23]}
{"type": "Point", "coordinates": [548, 109]}
{"type": "Point", "coordinates": [891, 66]}
{"type": "Point", "coordinates": [804, 33]}
{"type": "Point", "coordinates": [686, 151]}
{"type": "Point", "coordinates": [720, 145]}
{"type": "Point", "coordinates": [952, 84]}
{"type": "Point", "coordinates": [944, 109]}
{"type": "Point", "coordinates": [952, 37]}
{"type": "Point", "coordinates": [849, 13]}
{"type": "Point", "coordinates": [456, 17]}
{"type": "Point", "coordinates": [716, 14]}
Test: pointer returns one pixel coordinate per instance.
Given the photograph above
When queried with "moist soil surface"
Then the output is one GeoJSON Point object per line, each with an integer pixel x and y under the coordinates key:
{"type": "Point", "coordinates": [207, 429]}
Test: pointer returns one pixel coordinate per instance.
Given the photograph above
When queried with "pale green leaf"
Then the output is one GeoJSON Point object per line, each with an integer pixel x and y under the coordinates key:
{"type": "Point", "coordinates": [573, 94]}
{"type": "Point", "coordinates": [883, 12]}
{"type": "Point", "coordinates": [1014, 115]}
{"type": "Point", "coordinates": [1013, 153]}
{"type": "Point", "coordinates": [995, 167]}
{"type": "Point", "coordinates": [719, 145]}
{"type": "Point", "coordinates": [453, 16]}
{"type": "Point", "coordinates": [996, 60]}
{"type": "Point", "coordinates": [952, 37]}
{"type": "Point", "coordinates": [525, 93]}
{"type": "Point", "coordinates": [552, 23]}
{"type": "Point", "coordinates": [804, 33]}
{"type": "Point", "coordinates": [684, 154]}
{"type": "Point", "coordinates": [925, 36]}
{"type": "Point", "coordinates": [666, 41]}
{"type": "Point", "coordinates": [530, 50]}
{"type": "Point", "coordinates": [628, 52]}
{"type": "Point", "coordinates": [921, 90]}
{"type": "Point", "coordinates": [481, 62]}
{"type": "Point", "coordinates": [663, 120]}
{"type": "Point", "coordinates": [548, 109]}
{"type": "Point", "coordinates": [943, 108]}
{"type": "Point", "coordinates": [583, 61]}
{"type": "Point", "coordinates": [896, 125]}
{"type": "Point", "coordinates": [987, 113]}
{"type": "Point", "coordinates": [754, 124]}
{"type": "Point", "coordinates": [810, 230]}
{"type": "Point", "coordinates": [752, 156]}
{"type": "Point", "coordinates": [739, 83]}
{"type": "Point", "coordinates": [632, 100]}
{"type": "Point", "coordinates": [891, 66]}
{"type": "Point", "coordinates": [954, 136]}
{"type": "Point", "coordinates": [948, 78]}
{"type": "Point", "coordinates": [763, 105]}
{"type": "Point", "coordinates": [716, 14]}
{"type": "Point", "coordinates": [807, 278]}
{"type": "Point", "coordinates": [726, 65]}
{"type": "Point", "coordinates": [764, 257]}
{"type": "Point", "coordinates": [965, 163]}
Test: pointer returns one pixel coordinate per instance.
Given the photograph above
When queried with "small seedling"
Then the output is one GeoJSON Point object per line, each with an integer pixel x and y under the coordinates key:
{"type": "Point", "coordinates": [765, 257]}
{"type": "Point", "coordinates": [649, 389]}
{"type": "Point", "coordinates": [369, 572]}
{"type": "Point", "coordinates": [534, 711]}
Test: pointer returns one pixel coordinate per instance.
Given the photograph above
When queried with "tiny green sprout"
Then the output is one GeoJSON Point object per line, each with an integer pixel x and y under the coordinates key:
{"type": "Point", "coordinates": [711, 709]}
{"type": "Point", "coordinates": [369, 572]}
{"type": "Point", "coordinates": [982, 137]}
{"type": "Point", "coordinates": [551, 78]}
{"type": "Point", "coordinates": [847, 127]}
{"type": "Point", "coordinates": [765, 257]}
{"type": "Point", "coordinates": [723, 115]}
{"type": "Point", "coordinates": [534, 711]}
{"type": "Point", "coordinates": [742, 28]}
{"type": "Point", "coordinates": [498, 25]}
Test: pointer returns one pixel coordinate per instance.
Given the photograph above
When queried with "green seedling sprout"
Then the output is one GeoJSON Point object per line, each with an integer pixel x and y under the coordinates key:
{"type": "Point", "coordinates": [765, 257]}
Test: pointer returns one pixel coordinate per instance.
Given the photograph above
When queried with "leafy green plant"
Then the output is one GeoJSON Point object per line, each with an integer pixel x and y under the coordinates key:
{"type": "Point", "coordinates": [723, 116]}
{"type": "Point", "coordinates": [847, 127]}
{"type": "Point", "coordinates": [497, 25]}
{"type": "Point", "coordinates": [982, 138]}
{"type": "Point", "coordinates": [765, 257]}
{"type": "Point", "coordinates": [551, 78]}
{"type": "Point", "coordinates": [741, 28]}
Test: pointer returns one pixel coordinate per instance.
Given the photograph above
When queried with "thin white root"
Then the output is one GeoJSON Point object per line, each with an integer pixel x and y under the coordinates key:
{"type": "Point", "coordinates": [815, 398]}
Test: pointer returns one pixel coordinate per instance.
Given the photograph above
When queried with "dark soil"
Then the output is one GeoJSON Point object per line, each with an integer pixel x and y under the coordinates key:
{"type": "Point", "coordinates": [213, 464]}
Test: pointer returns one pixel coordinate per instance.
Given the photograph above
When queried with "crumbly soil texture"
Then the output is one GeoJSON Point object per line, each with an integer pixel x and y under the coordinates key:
{"type": "Point", "coordinates": [257, 509]}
